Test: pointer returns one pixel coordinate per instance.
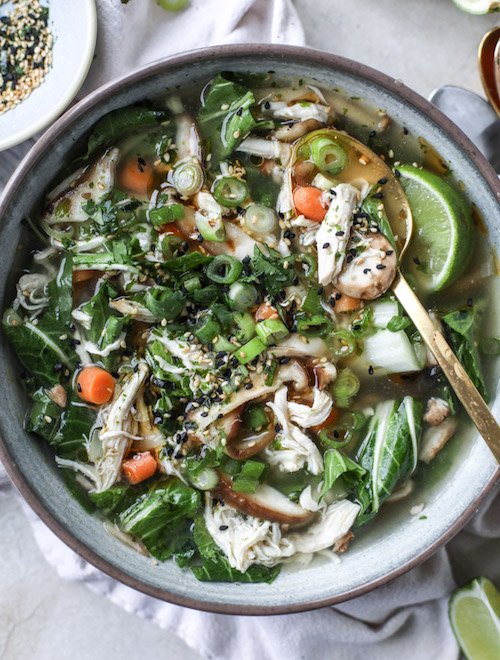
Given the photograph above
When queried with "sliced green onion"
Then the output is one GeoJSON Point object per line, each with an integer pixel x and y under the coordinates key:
{"type": "Point", "coordinates": [325, 437]}
{"type": "Point", "coordinates": [231, 466]}
{"type": "Point", "coordinates": [271, 331]}
{"type": "Point", "coordinates": [212, 229]}
{"type": "Point", "coordinates": [317, 325]}
{"type": "Point", "coordinates": [230, 192]}
{"type": "Point", "coordinates": [343, 343]}
{"type": "Point", "coordinates": [207, 329]}
{"type": "Point", "coordinates": [248, 478]}
{"type": "Point", "coordinates": [345, 388]}
{"type": "Point", "coordinates": [255, 417]}
{"type": "Point", "coordinates": [169, 243]}
{"type": "Point", "coordinates": [224, 346]}
{"type": "Point", "coordinates": [191, 283]}
{"type": "Point", "coordinates": [163, 215]}
{"type": "Point", "coordinates": [353, 420]}
{"type": "Point", "coordinates": [224, 269]}
{"type": "Point", "coordinates": [328, 156]}
{"type": "Point", "coordinates": [260, 219]}
{"type": "Point", "coordinates": [206, 479]}
{"type": "Point", "coordinates": [246, 326]}
{"type": "Point", "coordinates": [242, 296]}
{"type": "Point", "coordinates": [188, 178]}
{"type": "Point", "coordinates": [164, 303]}
{"type": "Point", "coordinates": [250, 350]}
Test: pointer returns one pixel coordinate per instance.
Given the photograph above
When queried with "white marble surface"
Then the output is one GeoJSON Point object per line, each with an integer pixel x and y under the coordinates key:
{"type": "Point", "coordinates": [425, 43]}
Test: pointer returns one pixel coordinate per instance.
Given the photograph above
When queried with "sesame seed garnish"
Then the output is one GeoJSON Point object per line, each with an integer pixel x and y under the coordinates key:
{"type": "Point", "coordinates": [26, 49]}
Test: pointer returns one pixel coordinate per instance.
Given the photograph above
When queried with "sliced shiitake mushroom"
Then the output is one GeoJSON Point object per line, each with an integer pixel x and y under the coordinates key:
{"type": "Point", "coordinates": [266, 503]}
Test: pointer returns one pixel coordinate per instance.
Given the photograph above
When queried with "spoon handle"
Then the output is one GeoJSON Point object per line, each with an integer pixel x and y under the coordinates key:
{"type": "Point", "coordinates": [464, 388]}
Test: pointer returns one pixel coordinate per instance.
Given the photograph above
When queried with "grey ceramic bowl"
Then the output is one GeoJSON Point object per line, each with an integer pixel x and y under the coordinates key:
{"type": "Point", "coordinates": [458, 479]}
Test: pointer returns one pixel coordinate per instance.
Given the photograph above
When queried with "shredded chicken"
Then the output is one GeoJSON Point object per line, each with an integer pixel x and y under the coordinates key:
{"type": "Point", "coordinates": [333, 234]}
{"type": "Point", "coordinates": [119, 424]}
{"type": "Point", "coordinates": [333, 523]}
{"type": "Point", "coordinates": [437, 411]}
{"type": "Point", "coordinates": [271, 149]}
{"type": "Point", "coordinates": [246, 540]}
{"type": "Point", "coordinates": [92, 185]}
{"type": "Point", "coordinates": [296, 449]}
{"type": "Point", "coordinates": [300, 111]}
{"type": "Point", "coordinates": [435, 438]}
{"type": "Point", "coordinates": [317, 413]}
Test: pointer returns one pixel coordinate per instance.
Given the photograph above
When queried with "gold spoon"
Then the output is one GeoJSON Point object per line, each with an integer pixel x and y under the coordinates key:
{"type": "Point", "coordinates": [488, 59]}
{"type": "Point", "coordinates": [363, 163]}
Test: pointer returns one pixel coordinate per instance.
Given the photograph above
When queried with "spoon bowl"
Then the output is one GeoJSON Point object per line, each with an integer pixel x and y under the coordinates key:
{"type": "Point", "coordinates": [489, 66]}
{"type": "Point", "coordinates": [363, 163]}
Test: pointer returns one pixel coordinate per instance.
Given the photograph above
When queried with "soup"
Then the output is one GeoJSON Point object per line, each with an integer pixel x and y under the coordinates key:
{"type": "Point", "coordinates": [207, 330]}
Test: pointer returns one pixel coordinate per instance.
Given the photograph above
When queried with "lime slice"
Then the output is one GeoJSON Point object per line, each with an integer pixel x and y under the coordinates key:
{"type": "Point", "coordinates": [478, 6]}
{"type": "Point", "coordinates": [442, 236]}
{"type": "Point", "coordinates": [475, 618]}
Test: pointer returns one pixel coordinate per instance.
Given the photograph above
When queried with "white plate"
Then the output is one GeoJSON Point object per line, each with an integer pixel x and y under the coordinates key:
{"type": "Point", "coordinates": [73, 24]}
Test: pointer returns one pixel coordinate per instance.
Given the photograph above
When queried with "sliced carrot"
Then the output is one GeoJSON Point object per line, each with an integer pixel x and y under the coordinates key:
{"type": "Point", "coordinates": [307, 200]}
{"type": "Point", "coordinates": [135, 176]}
{"type": "Point", "coordinates": [95, 385]}
{"type": "Point", "coordinates": [346, 303]}
{"type": "Point", "coordinates": [332, 419]}
{"type": "Point", "coordinates": [140, 467]}
{"type": "Point", "coordinates": [83, 275]}
{"type": "Point", "coordinates": [264, 312]}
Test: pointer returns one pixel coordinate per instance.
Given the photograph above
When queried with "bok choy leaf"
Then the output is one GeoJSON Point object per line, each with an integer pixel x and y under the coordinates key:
{"type": "Point", "coordinates": [161, 518]}
{"type": "Point", "coordinates": [225, 118]}
{"type": "Point", "coordinates": [388, 452]}
{"type": "Point", "coordinates": [461, 328]}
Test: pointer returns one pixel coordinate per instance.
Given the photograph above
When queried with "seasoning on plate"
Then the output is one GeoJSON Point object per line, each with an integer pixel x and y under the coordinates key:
{"type": "Point", "coordinates": [25, 51]}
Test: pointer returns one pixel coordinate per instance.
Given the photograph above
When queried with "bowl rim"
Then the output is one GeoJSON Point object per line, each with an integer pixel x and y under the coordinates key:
{"type": "Point", "coordinates": [253, 51]}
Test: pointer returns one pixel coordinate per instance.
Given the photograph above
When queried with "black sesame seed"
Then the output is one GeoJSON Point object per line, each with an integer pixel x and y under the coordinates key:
{"type": "Point", "coordinates": [405, 130]}
{"type": "Point", "coordinates": [380, 266]}
{"type": "Point", "coordinates": [340, 233]}
{"type": "Point", "coordinates": [248, 386]}
{"type": "Point", "coordinates": [397, 174]}
{"type": "Point", "coordinates": [223, 527]}
{"type": "Point", "coordinates": [78, 387]}
{"type": "Point", "coordinates": [372, 134]}
{"type": "Point", "coordinates": [326, 246]}
{"type": "Point", "coordinates": [283, 360]}
{"type": "Point", "coordinates": [366, 270]}
{"type": "Point", "coordinates": [416, 260]}
{"type": "Point", "coordinates": [389, 252]}
{"type": "Point", "coordinates": [277, 428]}
{"type": "Point", "coordinates": [320, 289]}
{"type": "Point", "coordinates": [336, 434]}
{"type": "Point", "coordinates": [378, 196]}
{"type": "Point", "coordinates": [382, 181]}
{"type": "Point", "coordinates": [370, 370]}
{"type": "Point", "coordinates": [469, 302]}
{"type": "Point", "coordinates": [349, 258]}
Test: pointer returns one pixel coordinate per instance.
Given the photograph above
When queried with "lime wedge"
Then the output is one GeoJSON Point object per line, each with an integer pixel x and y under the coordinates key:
{"type": "Point", "coordinates": [478, 6]}
{"type": "Point", "coordinates": [442, 236]}
{"type": "Point", "coordinates": [475, 618]}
